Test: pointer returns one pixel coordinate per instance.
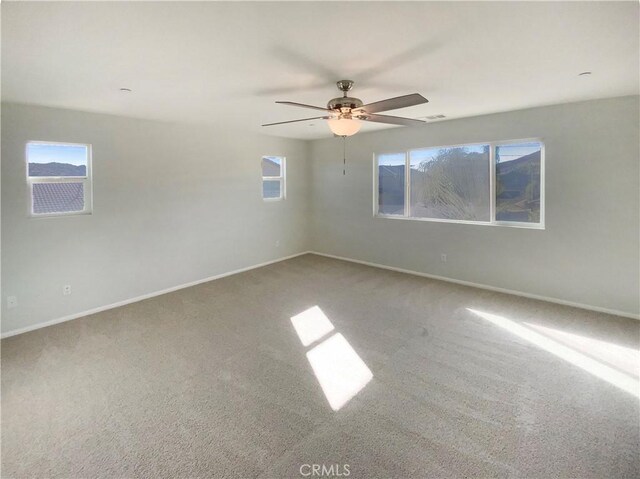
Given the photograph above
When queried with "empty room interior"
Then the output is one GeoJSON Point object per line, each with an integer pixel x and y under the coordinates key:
{"type": "Point", "coordinates": [320, 239]}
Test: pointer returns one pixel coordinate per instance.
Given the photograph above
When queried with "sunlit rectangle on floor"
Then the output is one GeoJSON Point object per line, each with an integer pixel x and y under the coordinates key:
{"type": "Point", "coordinates": [340, 371]}
{"type": "Point", "coordinates": [624, 359]}
{"type": "Point", "coordinates": [311, 325]}
{"type": "Point", "coordinates": [602, 371]}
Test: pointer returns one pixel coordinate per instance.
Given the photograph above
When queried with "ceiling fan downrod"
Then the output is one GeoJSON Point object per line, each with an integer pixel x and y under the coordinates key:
{"type": "Point", "coordinates": [344, 86]}
{"type": "Point", "coordinates": [344, 155]}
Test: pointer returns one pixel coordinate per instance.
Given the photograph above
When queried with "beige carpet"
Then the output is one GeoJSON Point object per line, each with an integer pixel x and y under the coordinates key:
{"type": "Point", "coordinates": [214, 381]}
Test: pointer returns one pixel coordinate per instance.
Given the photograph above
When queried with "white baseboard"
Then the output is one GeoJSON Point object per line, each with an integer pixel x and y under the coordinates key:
{"type": "Point", "coordinates": [15, 332]}
{"type": "Point", "coordinates": [614, 312]}
{"type": "Point", "coordinates": [487, 287]}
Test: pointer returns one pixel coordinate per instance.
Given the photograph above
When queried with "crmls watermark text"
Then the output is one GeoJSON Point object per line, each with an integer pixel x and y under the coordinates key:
{"type": "Point", "coordinates": [324, 470]}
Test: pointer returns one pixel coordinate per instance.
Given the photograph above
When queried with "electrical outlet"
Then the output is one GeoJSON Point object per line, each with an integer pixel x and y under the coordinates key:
{"type": "Point", "coordinates": [443, 257]}
{"type": "Point", "coordinates": [12, 302]}
{"type": "Point", "coordinates": [66, 289]}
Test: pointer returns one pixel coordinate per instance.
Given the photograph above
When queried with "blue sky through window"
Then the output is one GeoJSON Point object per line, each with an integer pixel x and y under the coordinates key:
{"type": "Point", "coordinates": [506, 153]}
{"type": "Point", "coordinates": [70, 154]}
{"type": "Point", "coordinates": [391, 159]}
{"type": "Point", "coordinates": [428, 154]}
{"type": "Point", "coordinates": [275, 159]}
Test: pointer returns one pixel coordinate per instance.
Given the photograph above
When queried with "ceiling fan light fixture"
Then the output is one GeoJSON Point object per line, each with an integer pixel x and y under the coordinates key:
{"type": "Point", "coordinates": [344, 126]}
{"type": "Point", "coordinates": [344, 113]}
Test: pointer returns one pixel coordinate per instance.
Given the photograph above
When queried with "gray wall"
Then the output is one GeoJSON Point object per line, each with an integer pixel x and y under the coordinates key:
{"type": "Point", "coordinates": [178, 203]}
{"type": "Point", "coordinates": [589, 251]}
{"type": "Point", "coordinates": [171, 204]}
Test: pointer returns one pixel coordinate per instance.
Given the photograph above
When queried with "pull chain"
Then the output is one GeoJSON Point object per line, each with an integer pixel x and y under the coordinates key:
{"type": "Point", "coordinates": [344, 155]}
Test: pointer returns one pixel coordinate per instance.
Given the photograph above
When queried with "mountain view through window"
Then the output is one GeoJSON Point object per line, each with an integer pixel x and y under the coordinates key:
{"type": "Point", "coordinates": [455, 183]}
{"type": "Point", "coordinates": [58, 175]}
{"type": "Point", "coordinates": [518, 170]}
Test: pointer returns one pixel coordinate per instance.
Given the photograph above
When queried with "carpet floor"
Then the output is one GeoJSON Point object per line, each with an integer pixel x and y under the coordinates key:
{"type": "Point", "coordinates": [378, 374]}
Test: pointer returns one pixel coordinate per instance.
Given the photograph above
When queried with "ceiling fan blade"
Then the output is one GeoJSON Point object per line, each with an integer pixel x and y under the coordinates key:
{"type": "Point", "coordinates": [292, 103]}
{"type": "Point", "coordinates": [295, 121]}
{"type": "Point", "coordinates": [393, 120]}
{"type": "Point", "coordinates": [393, 103]}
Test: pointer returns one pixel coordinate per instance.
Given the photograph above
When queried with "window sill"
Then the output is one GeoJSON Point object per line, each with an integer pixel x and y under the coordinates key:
{"type": "Point", "coordinates": [60, 215]}
{"type": "Point", "coordinates": [533, 226]}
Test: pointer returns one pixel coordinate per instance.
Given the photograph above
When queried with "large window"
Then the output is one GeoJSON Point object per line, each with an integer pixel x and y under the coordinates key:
{"type": "Point", "coordinates": [59, 177]}
{"type": "Point", "coordinates": [486, 183]}
{"type": "Point", "coordinates": [273, 177]}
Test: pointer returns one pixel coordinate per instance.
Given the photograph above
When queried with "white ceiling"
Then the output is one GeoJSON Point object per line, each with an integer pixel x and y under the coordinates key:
{"type": "Point", "coordinates": [228, 62]}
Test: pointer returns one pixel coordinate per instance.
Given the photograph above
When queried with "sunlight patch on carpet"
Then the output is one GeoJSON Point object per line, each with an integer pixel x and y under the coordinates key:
{"type": "Point", "coordinates": [624, 359]}
{"type": "Point", "coordinates": [339, 369]}
{"type": "Point", "coordinates": [587, 363]}
{"type": "Point", "coordinates": [311, 325]}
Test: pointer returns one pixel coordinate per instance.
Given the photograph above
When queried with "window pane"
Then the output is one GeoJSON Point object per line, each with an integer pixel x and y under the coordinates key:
{"type": "Point", "coordinates": [391, 184]}
{"type": "Point", "coordinates": [271, 189]}
{"type": "Point", "coordinates": [271, 166]}
{"type": "Point", "coordinates": [518, 182]}
{"type": "Point", "coordinates": [57, 197]}
{"type": "Point", "coordinates": [57, 160]}
{"type": "Point", "coordinates": [450, 183]}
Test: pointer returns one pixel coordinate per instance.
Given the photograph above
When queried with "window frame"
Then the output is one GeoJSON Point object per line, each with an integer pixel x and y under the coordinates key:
{"type": "Point", "coordinates": [86, 180]}
{"type": "Point", "coordinates": [492, 185]}
{"type": "Point", "coordinates": [282, 178]}
{"type": "Point", "coordinates": [376, 191]}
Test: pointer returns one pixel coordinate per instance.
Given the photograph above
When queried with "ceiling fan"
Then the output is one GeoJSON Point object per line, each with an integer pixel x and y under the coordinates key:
{"type": "Point", "coordinates": [344, 112]}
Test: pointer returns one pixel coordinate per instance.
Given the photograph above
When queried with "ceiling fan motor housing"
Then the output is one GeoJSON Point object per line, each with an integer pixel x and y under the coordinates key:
{"type": "Point", "coordinates": [350, 108]}
{"type": "Point", "coordinates": [344, 104]}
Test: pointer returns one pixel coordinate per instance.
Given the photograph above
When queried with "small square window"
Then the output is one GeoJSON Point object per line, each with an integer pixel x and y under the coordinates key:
{"type": "Point", "coordinates": [271, 166]}
{"type": "Point", "coordinates": [273, 178]}
{"type": "Point", "coordinates": [59, 177]}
